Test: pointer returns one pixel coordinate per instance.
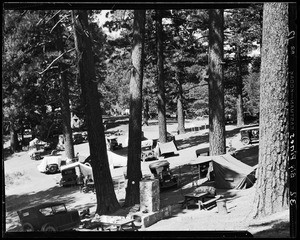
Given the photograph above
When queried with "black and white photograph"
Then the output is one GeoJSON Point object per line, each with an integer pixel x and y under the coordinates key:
{"type": "Point", "coordinates": [149, 119]}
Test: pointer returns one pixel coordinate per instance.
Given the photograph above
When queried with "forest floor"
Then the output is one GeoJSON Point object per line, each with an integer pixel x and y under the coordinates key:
{"type": "Point", "coordinates": [26, 186]}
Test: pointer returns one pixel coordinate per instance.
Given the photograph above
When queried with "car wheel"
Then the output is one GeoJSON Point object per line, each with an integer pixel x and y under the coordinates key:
{"type": "Point", "coordinates": [27, 227]}
{"type": "Point", "coordinates": [48, 228]}
{"type": "Point", "coordinates": [53, 168]}
{"type": "Point", "coordinates": [245, 141]}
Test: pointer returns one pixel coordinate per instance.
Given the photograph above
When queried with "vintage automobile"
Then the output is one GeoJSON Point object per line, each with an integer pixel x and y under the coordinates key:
{"type": "Point", "coordinates": [48, 217]}
{"type": "Point", "coordinates": [161, 170]}
{"type": "Point", "coordinates": [249, 134]}
{"type": "Point", "coordinates": [50, 164]}
{"type": "Point", "coordinates": [74, 173]}
{"type": "Point", "coordinates": [112, 143]}
{"type": "Point", "coordinates": [148, 150]}
{"type": "Point", "coordinates": [77, 138]}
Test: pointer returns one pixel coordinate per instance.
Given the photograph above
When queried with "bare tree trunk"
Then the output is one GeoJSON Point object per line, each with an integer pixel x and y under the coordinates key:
{"type": "Point", "coordinates": [162, 123]}
{"type": "Point", "coordinates": [13, 139]}
{"type": "Point", "coordinates": [134, 173]}
{"type": "Point", "coordinates": [64, 94]}
{"type": "Point", "coordinates": [180, 109]}
{"type": "Point", "coordinates": [106, 198]}
{"type": "Point", "coordinates": [239, 97]}
{"type": "Point", "coordinates": [216, 86]}
{"type": "Point", "coordinates": [272, 174]}
{"type": "Point", "coordinates": [146, 112]}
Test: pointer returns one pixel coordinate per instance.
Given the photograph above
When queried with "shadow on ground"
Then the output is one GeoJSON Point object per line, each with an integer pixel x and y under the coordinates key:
{"type": "Point", "coordinates": [274, 229]}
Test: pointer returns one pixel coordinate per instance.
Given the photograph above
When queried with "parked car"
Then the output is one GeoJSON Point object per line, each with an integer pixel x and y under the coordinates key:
{"type": "Point", "coordinates": [48, 217]}
{"type": "Point", "coordinates": [161, 171]}
{"type": "Point", "coordinates": [148, 150]}
{"type": "Point", "coordinates": [74, 173]}
{"type": "Point", "coordinates": [249, 134]}
{"type": "Point", "coordinates": [112, 143]}
{"type": "Point", "coordinates": [50, 164]}
{"type": "Point", "coordinates": [78, 138]}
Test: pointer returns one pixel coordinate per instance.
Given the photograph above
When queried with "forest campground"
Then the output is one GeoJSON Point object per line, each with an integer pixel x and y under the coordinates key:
{"type": "Point", "coordinates": [26, 186]}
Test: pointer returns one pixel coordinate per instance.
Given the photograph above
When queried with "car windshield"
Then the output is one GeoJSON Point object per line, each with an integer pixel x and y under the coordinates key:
{"type": "Point", "coordinates": [59, 208]}
{"type": "Point", "coordinates": [46, 211]}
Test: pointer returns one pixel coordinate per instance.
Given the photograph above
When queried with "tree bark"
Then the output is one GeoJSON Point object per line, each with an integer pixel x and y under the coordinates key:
{"type": "Point", "coordinates": [180, 109]}
{"type": "Point", "coordinates": [146, 112]}
{"type": "Point", "coordinates": [162, 123]}
{"type": "Point", "coordinates": [14, 142]}
{"type": "Point", "coordinates": [239, 88]}
{"type": "Point", "coordinates": [105, 194]}
{"type": "Point", "coordinates": [64, 94]}
{"type": "Point", "coordinates": [134, 173]}
{"type": "Point", "coordinates": [272, 174]}
{"type": "Point", "coordinates": [216, 86]}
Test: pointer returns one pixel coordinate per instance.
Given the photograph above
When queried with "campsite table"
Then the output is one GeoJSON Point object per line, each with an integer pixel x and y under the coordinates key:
{"type": "Point", "coordinates": [198, 197]}
{"type": "Point", "coordinates": [120, 225]}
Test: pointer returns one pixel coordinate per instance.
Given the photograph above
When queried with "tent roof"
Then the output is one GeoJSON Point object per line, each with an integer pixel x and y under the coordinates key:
{"type": "Point", "coordinates": [229, 171]}
{"type": "Point", "coordinates": [233, 164]}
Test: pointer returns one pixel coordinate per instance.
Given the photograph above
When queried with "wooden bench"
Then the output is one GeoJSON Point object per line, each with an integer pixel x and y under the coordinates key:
{"type": "Point", "coordinates": [211, 202]}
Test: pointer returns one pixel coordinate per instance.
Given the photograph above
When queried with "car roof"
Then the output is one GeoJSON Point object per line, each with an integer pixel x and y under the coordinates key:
{"type": "Point", "coordinates": [159, 164]}
{"type": "Point", "coordinates": [43, 205]}
{"type": "Point", "coordinates": [249, 128]}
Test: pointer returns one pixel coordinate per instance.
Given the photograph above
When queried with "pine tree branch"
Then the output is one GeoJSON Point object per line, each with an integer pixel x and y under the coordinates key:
{"type": "Point", "coordinates": [56, 59]}
{"type": "Point", "coordinates": [204, 84]}
{"type": "Point", "coordinates": [53, 16]}
{"type": "Point", "coordinates": [57, 23]}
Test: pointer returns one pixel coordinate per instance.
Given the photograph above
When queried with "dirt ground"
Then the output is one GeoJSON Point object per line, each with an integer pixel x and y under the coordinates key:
{"type": "Point", "coordinates": [26, 186]}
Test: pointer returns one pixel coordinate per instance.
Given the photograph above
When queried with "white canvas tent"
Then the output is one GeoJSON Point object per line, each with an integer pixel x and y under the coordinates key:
{"type": "Point", "coordinates": [229, 172]}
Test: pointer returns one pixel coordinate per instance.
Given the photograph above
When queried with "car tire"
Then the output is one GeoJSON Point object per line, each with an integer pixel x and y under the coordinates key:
{"type": "Point", "coordinates": [27, 227]}
{"type": "Point", "coordinates": [52, 168]}
{"type": "Point", "coordinates": [49, 228]}
{"type": "Point", "coordinates": [245, 141]}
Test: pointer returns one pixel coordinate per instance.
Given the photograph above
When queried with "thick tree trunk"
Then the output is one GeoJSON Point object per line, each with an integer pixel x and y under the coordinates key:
{"type": "Point", "coordinates": [65, 113]}
{"type": "Point", "coordinates": [216, 86]}
{"type": "Point", "coordinates": [162, 123]}
{"type": "Point", "coordinates": [146, 112]}
{"type": "Point", "coordinates": [180, 109]}
{"type": "Point", "coordinates": [105, 194]}
{"type": "Point", "coordinates": [134, 173]}
{"type": "Point", "coordinates": [64, 95]}
{"type": "Point", "coordinates": [239, 88]}
{"type": "Point", "coordinates": [13, 139]}
{"type": "Point", "coordinates": [272, 174]}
